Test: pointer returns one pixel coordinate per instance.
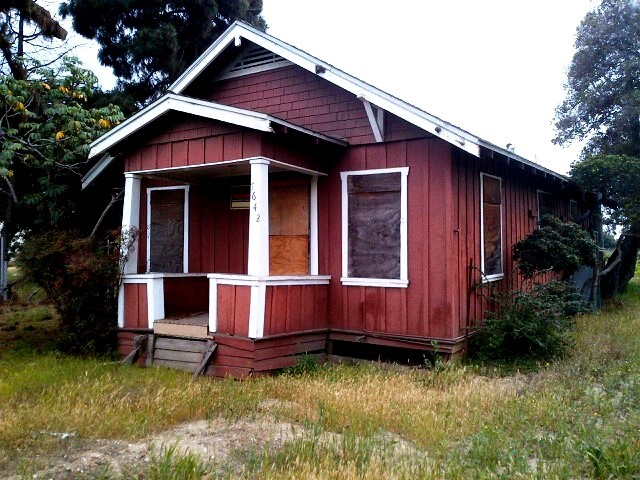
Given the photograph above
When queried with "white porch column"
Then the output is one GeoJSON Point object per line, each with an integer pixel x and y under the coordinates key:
{"type": "Point", "coordinates": [258, 243]}
{"type": "Point", "coordinates": [131, 216]}
{"type": "Point", "coordinates": [259, 219]}
{"type": "Point", "coordinates": [155, 299]}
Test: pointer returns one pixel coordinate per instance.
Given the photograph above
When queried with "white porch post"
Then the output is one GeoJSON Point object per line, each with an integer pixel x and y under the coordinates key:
{"type": "Point", "coordinates": [259, 219]}
{"type": "Point", "coordinates": [131, 216]}
{"type": "Point", "coordinates": [155, 299]}
{"type": "Point", "coordinates": [258, 264]}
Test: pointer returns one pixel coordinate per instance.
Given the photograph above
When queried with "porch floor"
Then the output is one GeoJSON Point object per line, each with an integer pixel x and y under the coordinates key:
{"type": "Point", "coordinates": [191, 326]}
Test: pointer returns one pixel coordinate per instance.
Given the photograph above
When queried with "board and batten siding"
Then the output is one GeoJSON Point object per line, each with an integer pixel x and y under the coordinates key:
{"type": "Point", "coordinates": [519, 218]}
{"type": "Point", "coordinates": [425, 307]}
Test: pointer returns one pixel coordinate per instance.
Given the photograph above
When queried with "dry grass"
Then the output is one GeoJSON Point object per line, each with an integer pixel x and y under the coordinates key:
{"type": "Point", "coordinates": [572, 419]}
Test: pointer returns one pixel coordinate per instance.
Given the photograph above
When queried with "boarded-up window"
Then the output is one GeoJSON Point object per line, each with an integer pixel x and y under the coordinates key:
{"type": "Point", "coordinates": [546, 205]}
{"type": "Point", "coordinates": [574, 211]}
{"type": "Point", "coordinates": [289, 227]}
{"type": "Point", "coordinates": [166, 230]}
{"type": "Point", "coordinates": [374, 241]}
{"type": "Point", "coordinates": [491, 227]}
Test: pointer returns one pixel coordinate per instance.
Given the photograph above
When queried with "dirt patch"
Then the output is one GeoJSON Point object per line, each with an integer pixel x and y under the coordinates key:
{"type": "Point", "coordinates": [213, 440]}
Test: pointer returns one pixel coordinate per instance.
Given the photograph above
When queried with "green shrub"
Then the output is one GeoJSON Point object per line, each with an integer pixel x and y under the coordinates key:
{"type": "Point", "coordinates": [532, 324]}
{"type": "Point", "coordinates": [81, 278]}
{"type": "Point", "coordinates": [556, 246]}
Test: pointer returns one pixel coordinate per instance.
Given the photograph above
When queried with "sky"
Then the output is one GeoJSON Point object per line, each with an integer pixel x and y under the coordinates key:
{"type": "Point", "coordinates": [495, 68]}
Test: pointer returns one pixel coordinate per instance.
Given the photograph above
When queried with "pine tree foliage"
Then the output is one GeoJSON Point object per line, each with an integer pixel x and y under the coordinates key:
{"type": "Point", "coordinates": [14, 38]}
{"type": "Point", "coordinates": [149, 43]}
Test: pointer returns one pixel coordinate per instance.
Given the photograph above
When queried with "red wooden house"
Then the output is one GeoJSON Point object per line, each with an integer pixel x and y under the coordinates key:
{"type": "Point", "coordinates": [285, 207]}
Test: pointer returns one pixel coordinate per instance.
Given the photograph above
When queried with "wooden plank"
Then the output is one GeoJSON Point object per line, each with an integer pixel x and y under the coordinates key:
{"type": "Point", "coordinates": [283, 362]}
{"type": "Point", "coordinates": [180, 344]}
{"type": "Point", "coordinates": [196, 151]}
{"type": "Point", "coordinates": [240, 343]}
{"type": "Point", "coordinates": [293, 349]}
{"type": "Point", "coordinates": [289, 207]}
{"type": "Point", "coordinates": [231, 351]}
{"type": "Point", "coordinates": [213, 148]}
{"type": "Point", "coordinates": [289, 255]}
{"type": "Point", "coordinates": [232, 361]}
{"type": "Point", "coordinates": [186, 366]}
{"type": "Point", "coordinates": [232, 146]}
{"type": "Point", "coordinates": [179, 153]}
{"type": "Point", "coordinates": [241, 310]}
{"type": "Point", "coordinates": [178, 356]}
{"type": "Point", "coordinates": [206, 358]}
{"type": "Point", "coordinates": [226, 302]}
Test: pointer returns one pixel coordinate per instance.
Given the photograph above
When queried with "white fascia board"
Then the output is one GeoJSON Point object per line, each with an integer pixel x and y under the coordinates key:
{"type": "Point", "coordinates": [406, 111]}
{"type": "Point", "coordinates": [193, 106]}
{"type": "Point", "coordinates": [95, 171]}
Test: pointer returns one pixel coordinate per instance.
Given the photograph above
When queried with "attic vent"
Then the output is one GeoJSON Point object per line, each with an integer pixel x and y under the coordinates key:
{"type": "Point", "coordinates": [254, 59]}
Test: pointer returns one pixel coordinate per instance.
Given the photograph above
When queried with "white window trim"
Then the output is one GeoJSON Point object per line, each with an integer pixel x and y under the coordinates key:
{"type": "Point", "coordinates": [185, 251]}
{"type": "Point", "coordinates": [496, 276]}
{"type": "Point", "coordinates": [573, 202]}
{"type": "Point", "coordinates": [401, 282]}
{"type": "Point", "coordinates": [538, 192]}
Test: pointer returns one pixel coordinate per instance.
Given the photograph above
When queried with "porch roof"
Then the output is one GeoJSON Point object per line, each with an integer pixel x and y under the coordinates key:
{"type": "Point", "coordinates": [193, 106]}
{"type": "Point", "coordinates": [232, 168]}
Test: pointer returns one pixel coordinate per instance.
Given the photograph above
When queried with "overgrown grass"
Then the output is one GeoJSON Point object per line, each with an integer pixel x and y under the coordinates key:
{"type": "Point", "coordinates": [575, 418]}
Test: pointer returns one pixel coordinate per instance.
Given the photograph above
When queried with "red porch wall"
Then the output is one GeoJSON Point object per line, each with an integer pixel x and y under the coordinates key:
{"type": "Point", "coordinates": [295, 308]}
{"type": "Point", "coordinates": [233, 309]}
{"type": "Point", "coordinates": [135, 305]}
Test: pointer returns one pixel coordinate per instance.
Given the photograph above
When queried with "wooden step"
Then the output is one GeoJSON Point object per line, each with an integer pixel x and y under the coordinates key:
{"type": "Point", "coordinates": [192, 326]}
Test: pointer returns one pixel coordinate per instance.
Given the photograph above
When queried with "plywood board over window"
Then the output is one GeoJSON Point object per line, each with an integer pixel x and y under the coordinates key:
{"type": "Point", "coordinates": [289, 227]}
{"type": "Point", "coordinates": [167, 229]}
{"type": "Point", "coordinates": [374, 227]}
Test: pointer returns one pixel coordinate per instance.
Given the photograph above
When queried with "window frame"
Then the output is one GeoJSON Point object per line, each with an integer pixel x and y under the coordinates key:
{"type": "Point", "coordinates": [185, 251]}
{"type": "Point", "coordinates": [495, 276]}
{"type": "Point", "coordinates": [555, 206]}
{"type": "Point", "coordinates": [401, 282]}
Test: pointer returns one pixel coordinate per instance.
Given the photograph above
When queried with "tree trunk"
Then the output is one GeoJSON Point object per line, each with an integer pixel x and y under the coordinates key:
{"type": "Point", "coordinates": [621, 265]}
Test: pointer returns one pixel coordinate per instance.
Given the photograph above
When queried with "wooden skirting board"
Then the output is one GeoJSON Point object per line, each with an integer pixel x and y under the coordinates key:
{"type": "Point", "coordinates": [230, 355]}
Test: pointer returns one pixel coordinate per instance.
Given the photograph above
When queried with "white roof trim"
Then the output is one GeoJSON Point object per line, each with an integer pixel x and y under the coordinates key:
{"type": "Point", "coordinates": [448, 132]}
{"type": "Point", "coordinates": [193, 106]}
{"type": "Point", "coordinates": [178, 103]}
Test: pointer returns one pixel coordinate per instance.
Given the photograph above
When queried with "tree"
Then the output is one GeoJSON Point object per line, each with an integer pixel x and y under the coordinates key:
{"type": "Point", "coordinates": [603, 107]}
{"type": "Point", "coordinates": [45, 132]}
{"type": "Point", "coordinates": [14, 14]}
{"type": "Point", "coordinates": [615, 178]}
{"type": "Point", "coordinates": [149, 43]}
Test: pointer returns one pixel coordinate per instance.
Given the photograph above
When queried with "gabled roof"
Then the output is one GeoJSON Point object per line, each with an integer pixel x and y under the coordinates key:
{"type": "Point", "coordinates": [193, 106]}
{"type": "Point", "coordinates": [233, 37]}
{"type": "Point", "coordinates": [240, 30]}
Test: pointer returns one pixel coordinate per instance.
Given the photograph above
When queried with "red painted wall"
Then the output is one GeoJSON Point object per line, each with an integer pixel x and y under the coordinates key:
{"type": "Point", "coordinates": [425, 308]}
{"type": "Point", "coordinates": [306, 99]}
{"type": "Point", "coordinates": [520, 211]}
{"type": "Point", "coordinates": [135, 305]}
{"type": "Point", "coordinates": [294, 308]}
